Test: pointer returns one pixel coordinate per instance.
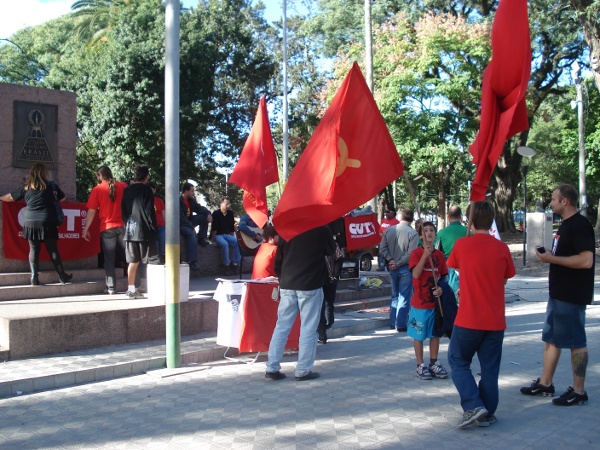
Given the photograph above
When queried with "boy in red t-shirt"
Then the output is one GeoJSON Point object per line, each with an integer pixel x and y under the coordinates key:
{"type": "Point", "coordinates": [484, 263]}
{"type": "Point", "coordinates": [426, 297]}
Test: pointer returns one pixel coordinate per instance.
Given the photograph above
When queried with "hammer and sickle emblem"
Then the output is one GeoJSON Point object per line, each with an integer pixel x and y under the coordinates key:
{"type": "Point", "coordinates": [344, 161]}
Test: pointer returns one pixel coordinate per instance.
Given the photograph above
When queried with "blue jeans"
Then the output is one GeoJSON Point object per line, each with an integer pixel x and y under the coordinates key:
{"type": "Point", "coordinates": [464, 343]}
{"type": "Point", "coordinates": [402, 290]}
{"type": "Point", "coordinates": [225, 241]}
{"type": "Point", "coordinates": [309, 304]}
{"type": "Point", "coordinates": [191, 247]}
{"type": "Point", "coordinates": [381, 263]}
{"type": "Point", "coordinates": [202, 224]}
{"type": "Point", "coordinates": [109, 241]}
{"type": "Point", "coordinates": [160, 244]}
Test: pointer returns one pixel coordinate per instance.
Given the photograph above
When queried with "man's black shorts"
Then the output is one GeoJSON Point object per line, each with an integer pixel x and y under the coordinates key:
{"type": "Point", "coordinates": [139, 251]}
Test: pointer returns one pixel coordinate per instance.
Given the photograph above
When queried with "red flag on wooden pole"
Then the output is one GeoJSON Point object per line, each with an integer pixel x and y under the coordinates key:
{"type": "Point", "coordinates": [349, 159]}
{"type": "Point", "coordinates": [503, 108]}
{"type": "Point", "coordinates": [257, 167]}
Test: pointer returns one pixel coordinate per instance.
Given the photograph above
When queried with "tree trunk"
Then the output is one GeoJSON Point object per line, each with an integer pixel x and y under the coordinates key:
{"type": "Point", "coordinates": [441, 209]}
{"type": "Point", "coordinates": [505, 179]}
{"type": "Point", "coordinates": [591, 31]}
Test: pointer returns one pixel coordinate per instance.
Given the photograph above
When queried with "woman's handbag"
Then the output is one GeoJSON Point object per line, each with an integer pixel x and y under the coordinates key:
{"type": "Point", "coordinates": [60, 215]}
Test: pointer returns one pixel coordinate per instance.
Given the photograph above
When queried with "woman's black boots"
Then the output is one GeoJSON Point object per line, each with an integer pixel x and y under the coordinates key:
{"type": "Point", "coordinates": [35, 280]}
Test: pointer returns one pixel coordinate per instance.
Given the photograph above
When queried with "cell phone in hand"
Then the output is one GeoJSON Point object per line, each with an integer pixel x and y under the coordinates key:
{"type": "Point", "coordinates": [540, 249]}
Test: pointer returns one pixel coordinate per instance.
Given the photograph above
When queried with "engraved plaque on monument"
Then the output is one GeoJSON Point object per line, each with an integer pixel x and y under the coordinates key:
{"type": "Point", "coordinates": [35, 134]}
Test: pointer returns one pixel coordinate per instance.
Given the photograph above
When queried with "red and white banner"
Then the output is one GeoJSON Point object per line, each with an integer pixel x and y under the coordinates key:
{"type": "Point", "coordinates": [248, 315]}
{"type": "Point", "coordinates": [361, 231]}
{"type": "Point", "coordinates": [71, 244]}
{"type": "Point", "coordinates": [260, 317]}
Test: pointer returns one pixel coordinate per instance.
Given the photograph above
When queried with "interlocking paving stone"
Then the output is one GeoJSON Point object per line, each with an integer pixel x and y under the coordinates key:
{"type": "Point", "coordinates": [367, 398]}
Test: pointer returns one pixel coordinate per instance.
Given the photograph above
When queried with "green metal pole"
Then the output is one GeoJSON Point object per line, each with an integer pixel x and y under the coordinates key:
{"type": "Point", "coordinates": [172, 310]}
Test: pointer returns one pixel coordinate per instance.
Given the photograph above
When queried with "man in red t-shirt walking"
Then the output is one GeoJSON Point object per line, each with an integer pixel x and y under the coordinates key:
{"type": "Point", "coordinates": [484, 264]}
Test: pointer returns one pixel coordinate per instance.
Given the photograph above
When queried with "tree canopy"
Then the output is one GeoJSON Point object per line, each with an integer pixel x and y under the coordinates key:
{"type": "Point", "coordinates": [429, 56]}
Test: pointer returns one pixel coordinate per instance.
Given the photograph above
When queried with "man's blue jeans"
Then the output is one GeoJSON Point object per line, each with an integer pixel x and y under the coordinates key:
{"type": "Point", "coordinates": [225, 241]}
{"type": "Point", "coordinates": [464, 344]}
{"type": "Point", "coordinates": [191, 247]}
{"type": "Point", "coordinates": [309, 304]}
{"type": "Point", "coordinates": [402, 290]}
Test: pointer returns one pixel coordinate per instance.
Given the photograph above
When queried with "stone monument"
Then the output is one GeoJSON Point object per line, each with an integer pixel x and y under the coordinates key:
{"type": "Point", "coordinates": [37, 125]}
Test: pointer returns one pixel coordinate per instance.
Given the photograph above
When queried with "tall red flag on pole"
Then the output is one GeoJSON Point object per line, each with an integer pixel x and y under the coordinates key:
{"type": "Point", "coordinates": [349, 159]}
{"type": "Point", "coordinates": [503, 107]}
{"type": "Point", "coordinates": [257, 167]}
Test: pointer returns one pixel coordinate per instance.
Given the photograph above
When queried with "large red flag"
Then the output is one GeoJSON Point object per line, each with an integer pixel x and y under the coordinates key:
{"type": "Point", "coordinates": [503, 108]}
{"type": "Point", "coordinates": [257, 167]}
{"type": "Point", "coordinates": [349, 159]}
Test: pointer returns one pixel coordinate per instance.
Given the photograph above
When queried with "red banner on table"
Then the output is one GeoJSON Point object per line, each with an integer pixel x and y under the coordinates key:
{"type": "Point", "coordinates": [361, 231]}
{"type": "Point", "coordinates": [71, 244]}
{"type": "Point", "coordinates": [260, 317]}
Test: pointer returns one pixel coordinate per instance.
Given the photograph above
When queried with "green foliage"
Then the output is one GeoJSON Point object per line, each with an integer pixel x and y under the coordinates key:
{"type": "Point", "coordinates": [29, 56]}
{"type": "Point", "coordinates": [555, 136]}
{"type": "Point", "coordinates": [226, 64]}
{"type": "Point", "coordinates": [426, 89]}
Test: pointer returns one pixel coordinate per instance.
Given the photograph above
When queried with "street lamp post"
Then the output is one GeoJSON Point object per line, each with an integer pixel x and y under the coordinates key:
{"type": "Point", "coordinates": [528, 152]}
{"type": "Point", "coordinates": [524, 169]}
{"type": "Point", "coordinates": [576, 75]}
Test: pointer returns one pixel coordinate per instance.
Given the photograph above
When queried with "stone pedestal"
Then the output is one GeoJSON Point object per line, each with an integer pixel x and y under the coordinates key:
{"type": "Point", "coordinates": [157, 282]}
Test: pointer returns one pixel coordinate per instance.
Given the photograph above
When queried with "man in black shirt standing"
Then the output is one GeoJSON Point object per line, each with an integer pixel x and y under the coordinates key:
{"type": "Point", "coordinates": [300, 266]}
{"type": "Point", "coordinates": [141, 232]}
{"type": "Point", "coordinates": [571, 286]}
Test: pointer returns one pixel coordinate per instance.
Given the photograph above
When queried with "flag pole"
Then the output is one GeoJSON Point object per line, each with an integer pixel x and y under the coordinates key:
{"type": "Point", "coordinates": [172, 269]}
{"type": "Point", "coordinates": [470, 222]}
{"type": "Point", "coordinates": [285, 97]}
{"type": "Point", "coordinates": [435, 283]}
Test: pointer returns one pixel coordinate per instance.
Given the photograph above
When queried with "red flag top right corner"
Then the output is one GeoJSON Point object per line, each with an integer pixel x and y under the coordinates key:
{"type": "Point", "coordinates": [349, 159]}
{"type": "Point", "coordinates": [505, 79]}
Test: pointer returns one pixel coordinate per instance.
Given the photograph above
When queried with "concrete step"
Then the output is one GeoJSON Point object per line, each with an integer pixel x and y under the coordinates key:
{"type": "Point", "coordinates": [346, 295]}
{"type": "Point", "coordinates": [362, 304]}
{"type": "Point", "coordinates": [54, 318]}
{"type": "Point", "coordinates": [67, 369]}
{"type": "Point", "coordinates": [29, 328]}
{"type": "Point", "coordinates": [11, 293]}
{"type": "Point", "coordinates": [51, 277]}
{"type": "Point", "coordinates": [16, 286]}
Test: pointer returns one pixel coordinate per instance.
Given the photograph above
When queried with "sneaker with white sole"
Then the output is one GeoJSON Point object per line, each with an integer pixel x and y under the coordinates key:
{"type": "Point", "coordinates": [537, 388]}
{"type": "Point", "coordinates": [134, 295]}
{"type": "Point", "coordinates": [438, 371]}
{"type": "Point", "coordinates": [486, 421]}
{"type": "Point", "coordinates": [423, 372]}
{"type": "Point", "coordinates": [570, 398]}
{"type": "Point", "coordinates": [471, 415]}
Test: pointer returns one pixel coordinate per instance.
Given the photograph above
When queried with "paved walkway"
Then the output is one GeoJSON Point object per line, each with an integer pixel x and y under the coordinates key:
{"type": "Point", "coordinates": [367, 397]}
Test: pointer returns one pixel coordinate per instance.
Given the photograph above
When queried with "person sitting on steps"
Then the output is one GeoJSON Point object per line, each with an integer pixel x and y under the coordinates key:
{"type": "Point", "coordinates": [222, 233]}
{"type": "Point", "coordinates": [192, 215]}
